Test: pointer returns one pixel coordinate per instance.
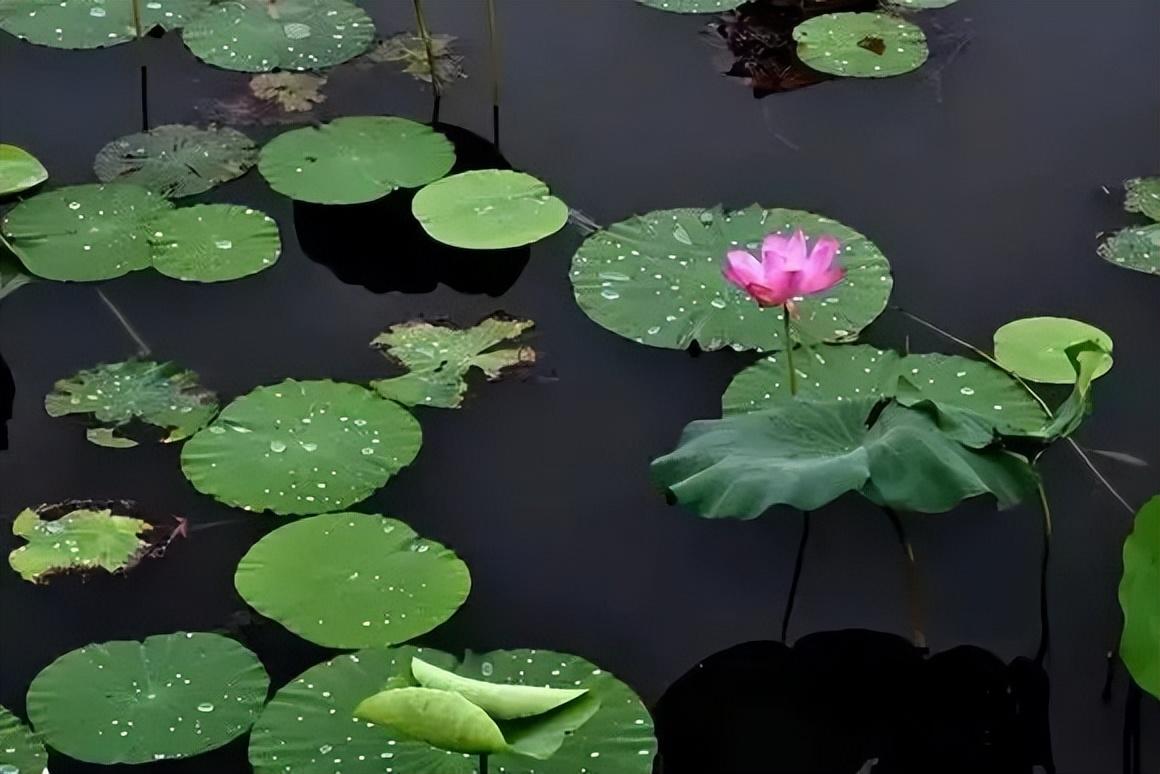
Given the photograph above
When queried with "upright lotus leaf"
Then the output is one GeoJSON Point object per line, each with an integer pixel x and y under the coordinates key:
{"type": "Point", "coordinates": [257, 36]}
{"type": "Point", "coordinates": [825, 372]}
{"type": "Point", "coordinates": [489, 209]}
{"type": "Point", "coordinates": [352, 580]}
{"type": "Point", "coordinates": [83, 233]}
{"type": "Point", "coordinates": [1140, 599]}
{"type": "Point", "coordinates": [861, 45]}
{"type": "Point", "coordinates": [301, 448]}
{"type": "Point", "coordinates": [171, 696]}
{"type": "Point", "coordinates": [307, 725]}
{"type": "Point", "coordinates": [12, 274]}
{"type": "Point", "coordinates": [1087, 359]}
{"type": "Point", "coordinates": [116, 394]}
{"type": "Point", "coordinates": [177, 160]}
{"type": "Point", "coordinates": [355, 159]}
{"type": "Point", "coordinates": [19, 169]}
{"type": "Point", "coordinates": [213, 242]}
{"type": "Point", "coordinates": [20, 748]}
{"type": "Point", "coordinates": [499, 700]}
{"type": "Point", "coordinates": [1134, 248]}
{"type": "Point", "coordinates": [656, 279]}
{"type": "Point", "coordinates": [92, 23]}
{"type": "Point", "coordinates": [1036, 348]}
{"type": "Point", "coordinates": [692, 6]}
{"type": "Point", "coordinates": [438, 358]}
{"type": "Point", "coordinates": [1143, 196]}
{"type": "Point", "coordinates": [81, 540]}
{"type": "Point", "coordinates": [441, 719]}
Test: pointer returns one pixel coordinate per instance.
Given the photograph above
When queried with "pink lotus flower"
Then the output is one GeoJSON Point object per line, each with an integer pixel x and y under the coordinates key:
{"type": "Point", "coordinates": [785, 270]}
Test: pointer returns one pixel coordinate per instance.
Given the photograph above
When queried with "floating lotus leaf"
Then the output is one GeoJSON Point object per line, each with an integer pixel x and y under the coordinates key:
{"type": "Point", "coordinates": [292, 92]}
{"type": "Point", "coordinates": [355, 159]}
{"type": "Point", "coordinates": [352, 580]}
{"type": "Point", "coordinates": [257, 36]}
{"type": "Point", "coordinates": [489, 209]}
{"type": "Point", "coordinates": [1140, 643]}
{"type": "Point", "coordinates": [171, 696]}
{"type": "Point", "coordinates": [920, 5]}
{"type": "Point", "coordinates": [498, 700]}
{"type": "Point", "coordinates": [438, 358]}
{"type": "Point", "coordinates": [177, 160]}
{"type": "Point", "coordinates": [1143, 196]}
{"type": "Point", "coordinates": [692, 6]}
{"type": "Point", "coordinates": [618, 737]}
{"type": "Point", "coordinates": [1036, 348]}
{"type": "Point", "coordinates": [656, 279]}
{"type": "Point", "coordinates": [20, 749]}
{"type": "Point", "coordinates": [861, 45]}
{"type": "Point", "coordinates": [213, 242]}
{"type": "Point", "coordinates": [19, 169]}
{"type": "Point", "coordinates": [81, 540]}
{"type": "Point", "coordinates": [301, 447]}
{"type": "Point", "coordinates": [92, 23]}
{"type": "Point", "coordinates": [84, 232]}
{"type": "Point", "coordinates": [1136, 248]}
{"type": "Point", "coordinates": [12, 274]}
{"type": "Point", "coordinates": [116, 394]}
{"type": "Point", "coordinates": [806, 454]}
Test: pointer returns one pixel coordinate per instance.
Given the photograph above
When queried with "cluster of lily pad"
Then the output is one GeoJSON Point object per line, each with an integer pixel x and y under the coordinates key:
{"type": "Point", "coordinates": [1137, 247]}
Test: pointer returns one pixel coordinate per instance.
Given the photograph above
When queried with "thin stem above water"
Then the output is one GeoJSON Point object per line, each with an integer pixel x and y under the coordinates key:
{"type": "Point", "coordinates": [425, 34]}
{"type": "Point", "coordinates": [788, 341]}
{"type": "Point", "coordinates": [493, 49]}
{"type": "Point", "coordinates": [916, 624]}
{"type": "Point", "coordinates": [142, 348]}
{"type": "Point", "coordinates": [1044, 619]}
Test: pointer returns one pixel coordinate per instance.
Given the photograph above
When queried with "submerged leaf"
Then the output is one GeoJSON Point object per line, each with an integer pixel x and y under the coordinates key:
{"type": "Point", "coordinates": [1035, 348]}
{"type": "Point", "coordinates": [79, 540]}
{"type": "Point", "coordinates": [500, 701]}
{"type": "Point", "coordinates": [438, 358]}
{"type": "Point", "coordinates": [176, 160]}
{"type": "Point", "coordinates": [92, 23]}
{"type": "Point", "coordinates": [1140, 600]}
{"type": "Point", "coordinates": [862, 45]}
{"type": "Point", "coordinates": [692, 6]}
{"type": "Point", "coordinates": [409, 49]}
{"type": "Point", "coordinates": [20, 748]}
{"type": "Point", "coordinates": [1143, 196]}
{"type": "Point", "coordinates": [1136, 248]}
{"type": "Point", "coordinates": [293, 92]}
{"type": "Point", "coordinates": [19, 170]}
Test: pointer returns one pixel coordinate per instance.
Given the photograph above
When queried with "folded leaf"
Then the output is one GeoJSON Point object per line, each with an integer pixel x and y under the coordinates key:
{"type": "Point", "coordinates": [500, 700]}
{"type": "Point", "coordinates": [440, 718]}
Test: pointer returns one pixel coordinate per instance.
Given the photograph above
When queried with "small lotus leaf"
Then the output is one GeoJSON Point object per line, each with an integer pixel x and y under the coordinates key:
{"type": "Point", "coordinates": [81, 540]}
{"type": "Point", "coordinates": [500, 701]}
{"type": "Point", "coordinates": [352, 580]}
{"type": "Point", "coordinates": [213, 242]}
{"type": "Point", "coordinates": [692, 6]}
{"type": "Point", "coordinates": [1136, 248]}
{"type": "Point", "coordinates": [19, 170]}
{"type": "Point", "coordinates": [861, 45]}
{"type": "Point", "coordinates": [177, 160]}
{"type": "Point", "coordinates": [1143, 196]}
{"type": "Point", "coordinates": [261, 35]}
{"type": "Point", "coordinates": [92, 23]}
{"type": "Point", "coordinates": [410, 50]}
{"type": "Point", "coordinates": [20, 748]}
{"type": "Point", "coordinates": [1035, 348]}
{"type": "Point", "coordinates": [656, 279]}
{"type": "Point", "coordinates": [116, 394]}
{"type": "Point", "coordinates": [439, 718]}
{"type": "Point", "coordinates": [355, 159]}
{"type": "Point", "coordinates": [301, 448]}
{"type": "Point", "coordinates": [1140, 601]}
{"type": "Point", "coordinates": [292, 92]}
{"type": "Point", "coordinates": [171, 696]}
{"type": "Point", "coordinates": [489, 209]}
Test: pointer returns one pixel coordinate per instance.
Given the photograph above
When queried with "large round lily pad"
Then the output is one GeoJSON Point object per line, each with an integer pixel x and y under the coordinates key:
{"type": "Point", "coordinates": [177, 160]}
{"type": "Point", "coordinates": [84, 232]}
{"type": "Point", "coordinates": [1140, 643]}
{"type": "Point", "coordinates": [213, 242]}
{"type": "Point", "coordinates": [301, 447]}
{"type": "Point", "coordinates": [657, 279]}
{"type": "Point", "coordinates": [308, 725]}
{"type": "Point", "coordinates": [692, 6]}
{"type": "Point", "coordinates": [355, 159]}
{"type": "Point", "coordinates": [1036, 348]}
{"type": "Point", "coordinates": [861, 45]}
{"type": "Point", "coordinates": [352, 580]}
{"type": "Point", "coordinates": [92, 23]}
{"type": "Point", "coordinates": [171, 696]}
{"type": "Point", "coordinates": [262, 35]}
{"type": "Point", "coordinates": [1134, 248]}
{"type": "Point", "coordinates": [19, 170]}
{"type": "Point", "coordinates": [20, 749]}
{"type": "Point", "coordinates": [489, 209]}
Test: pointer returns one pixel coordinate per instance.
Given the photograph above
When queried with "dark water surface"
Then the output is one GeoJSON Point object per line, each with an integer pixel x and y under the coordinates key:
{"type": "Point", "coordinates": [979, 177]}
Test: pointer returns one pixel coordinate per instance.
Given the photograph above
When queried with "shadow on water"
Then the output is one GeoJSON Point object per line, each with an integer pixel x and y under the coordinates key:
{"type": "Point", "coordinates": [837, 701]}
{"type": "Point", "coordinates": [380, 246]}
{"type": "Point", "coordinates": [7, 398]}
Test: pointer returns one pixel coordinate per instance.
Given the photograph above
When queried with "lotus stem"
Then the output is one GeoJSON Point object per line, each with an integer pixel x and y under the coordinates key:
{"type": "Point", "coordinates": [143, 70]}
{"type": "Point", "coordinates": [493, 49]}
{"type": "Point", "coordinates": [483, 763]}
{"type": "Point", "coordinates": [1131, 751]}
{"type": "Point", "coordinates": [912, 579]}
{"type": "Point", "coordinates": [797, 574]}
{"type": "Point", "coordinates": [1044, 617]}
{"type": "Point", "coordinates": [142, 348]}
{"type": "Point", "coordinates": [789, 351]}
{"type": "Point", "coordinates": [425, 34]}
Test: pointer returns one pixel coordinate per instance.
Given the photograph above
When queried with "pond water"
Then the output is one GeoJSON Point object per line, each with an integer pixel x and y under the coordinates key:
{"type": "Point", "coordinates": [979, 176]}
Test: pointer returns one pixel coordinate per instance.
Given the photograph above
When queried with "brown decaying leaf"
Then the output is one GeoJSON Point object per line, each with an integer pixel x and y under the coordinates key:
{"type": "Point", "coordinates": [293, 92]}
{"type": "Point", "coordinates": [408, 48]}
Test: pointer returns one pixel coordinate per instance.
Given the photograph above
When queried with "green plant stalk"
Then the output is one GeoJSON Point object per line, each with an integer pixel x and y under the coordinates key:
{"type": "Point", "coordinates": [483, 763]}
{"type": "Point", "coordinates": [142, 348]}
{"type": "Point", "coordinates": [916, 624]}
{"type": "Point", "coordinates": [789, 351]}
{"type": "Point", "coordinates": [1044, 622]}
{"type": "Point", "coordinates": [144, 72]}
{"type": "Point", "coordinates": [493, 53]}
{"type": "Point", "coordinates": [425, 34]}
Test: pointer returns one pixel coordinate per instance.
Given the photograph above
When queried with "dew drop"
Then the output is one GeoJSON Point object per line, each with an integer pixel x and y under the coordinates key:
{"type": "Point", "coordinates": [966, 391]}
{"type": "Point", "coordinates": [610, 294]}
{"type": "Point", "coordinates": [205, 706]}
{"type": "Point", "coordinates": [223, 244]}
{"type": "Point", "coordinates": [718, 303]}
{"type": "Point", "coordinates": [277, 446]}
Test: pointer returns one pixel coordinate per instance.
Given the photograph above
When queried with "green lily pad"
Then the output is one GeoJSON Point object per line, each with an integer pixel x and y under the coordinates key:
{"type": "Point", "coordinates": [213, 242]}
{"type": "Point", "coordinates": [657, 279]}
{"type": "Point", "coordinates": [1036, 348]}
{"type": "Point", "coordinates": [1140, 642]}
{"type": "Point", "coordinates": [1087, 359]}
{"type": "Point", "coordinates": [1143, 196]}
{"type": "Point", "coordinates": [20, 748]}
{"type": "Point", "coordinates": [84, 232]}
{"type": "Point", "coordinates": [177, 160]}
{"type": "Point", "coordinates": [301, 447]}
{"type": "Point", "coordinates": [438, 358]}
{"type": "Point", "coordinates": [919, 5]}
{"type": "Point", "coordinates": [693, 6]}
{"type": "Point", "coordinates": [171, 696]}
{"type": "Point", "coordinates": [81, 540]}
{"type": "Point", "coordinates": [19, 170]}
{"type": "Point", "coordinates": [861, 45]}
{"type": "Point", "coordinates": [1136, 248]}
{"type": "Point", "coordinates": [257, 36]}
{"type": "Point", "coordinates": [12, 273]}
{"type": "Point", "coordinates": [489, 209]}
{"type": "Point", "coordinates": [498, 700]}
{"type": "Point", "coordinates": [352, 580]}
{"type": "Point", "coordinates": [618, 737]}
{"type": "Point", "coordinates": [92, 23]}
{"type": "Point", "coordinates": [116, 394]}
{"type": "Point", "coordinates": [806, 454]}
{"type": "Point", "coordinates": [355, 159]}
